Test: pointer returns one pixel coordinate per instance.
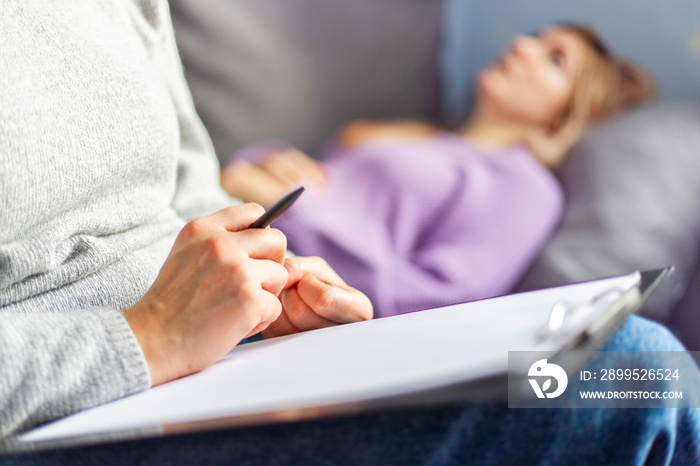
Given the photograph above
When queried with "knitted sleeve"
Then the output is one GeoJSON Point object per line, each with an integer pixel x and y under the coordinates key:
{"type": "Point", "coordinates": [55, 364]}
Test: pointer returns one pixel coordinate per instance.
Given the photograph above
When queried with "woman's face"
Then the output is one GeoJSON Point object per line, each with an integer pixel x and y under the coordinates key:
{"type": "Point", "coordinates": [533, 80]}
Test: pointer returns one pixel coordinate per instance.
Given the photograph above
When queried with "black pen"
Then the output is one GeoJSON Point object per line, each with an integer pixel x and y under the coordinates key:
{"type": "Point", "coordinates": [277, 209]}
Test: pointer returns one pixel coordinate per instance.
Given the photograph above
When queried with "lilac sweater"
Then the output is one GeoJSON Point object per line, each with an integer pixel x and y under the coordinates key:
{"type": "Point", "coordinates": [418, 224]}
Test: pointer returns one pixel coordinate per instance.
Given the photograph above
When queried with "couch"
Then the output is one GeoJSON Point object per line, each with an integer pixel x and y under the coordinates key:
{"type": "Point", "coordinates": [300, 69]}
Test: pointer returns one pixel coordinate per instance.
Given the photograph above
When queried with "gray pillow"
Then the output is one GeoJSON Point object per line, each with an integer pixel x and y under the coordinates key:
{"type": "Point", "coordinates": [633, 202]}
{"type": "Point", "coordinates": [685, 320]}
{"type": "Point", "coordinates": [297, 70]}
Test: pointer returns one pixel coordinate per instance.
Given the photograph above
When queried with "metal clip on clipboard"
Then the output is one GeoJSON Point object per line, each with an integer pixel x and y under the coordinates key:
{"type": "Point", "coordinates": [612, 305]}
{"type": "Point", "coordinates": [561, 309]}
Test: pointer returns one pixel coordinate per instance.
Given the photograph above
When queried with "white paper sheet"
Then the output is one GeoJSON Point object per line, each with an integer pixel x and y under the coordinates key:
{"type": "Point", "coordinates": [349, 363]}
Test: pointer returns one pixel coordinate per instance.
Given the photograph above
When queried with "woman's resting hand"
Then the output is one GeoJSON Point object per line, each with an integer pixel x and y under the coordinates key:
{"type": "Point", "coordinates": [316, 297]}
{"type": "Point", "coordinates": [292, 167]}
{"type": "Point", "coordinates": [270, 178]}
{"type": "Point", "coordinates": [218, 285]}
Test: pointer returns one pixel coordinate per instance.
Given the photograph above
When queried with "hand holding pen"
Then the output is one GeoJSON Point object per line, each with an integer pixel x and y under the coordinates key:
{"type": "Point", "coordinates": [223, 281]}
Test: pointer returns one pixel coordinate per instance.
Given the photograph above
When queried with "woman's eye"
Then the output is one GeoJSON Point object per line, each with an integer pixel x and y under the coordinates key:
{"type": "Point", "coordinates": [556, 57]}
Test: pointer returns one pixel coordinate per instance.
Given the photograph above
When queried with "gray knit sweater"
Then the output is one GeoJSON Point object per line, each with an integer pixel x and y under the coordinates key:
{"type": "Point", "coordinates": [102, 161]}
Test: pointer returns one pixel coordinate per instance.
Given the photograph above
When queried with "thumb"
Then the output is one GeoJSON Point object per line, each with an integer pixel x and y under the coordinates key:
{"type": "Point", "coordinates": [337, 303]}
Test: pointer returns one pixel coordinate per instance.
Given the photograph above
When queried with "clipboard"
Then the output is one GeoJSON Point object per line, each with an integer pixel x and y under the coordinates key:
{"type": "Point", "coordinates": [459, 354]}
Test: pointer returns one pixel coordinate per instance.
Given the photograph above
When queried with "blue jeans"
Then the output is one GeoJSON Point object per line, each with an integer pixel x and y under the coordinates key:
{"type": "Point", "coordinates": [483, 434]}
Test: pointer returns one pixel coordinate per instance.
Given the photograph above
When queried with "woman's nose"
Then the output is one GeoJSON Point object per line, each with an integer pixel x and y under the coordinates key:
{"type": "Point", "coordinates": [526, 45]}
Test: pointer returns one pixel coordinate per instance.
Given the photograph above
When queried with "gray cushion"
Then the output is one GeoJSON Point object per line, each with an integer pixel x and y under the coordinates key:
{"type": "Point", "coordinates": [685, 320]}
{"type": "Point", "coordinates": [633, 202]}
{"type": "Point", "coordinates": [297, 70]}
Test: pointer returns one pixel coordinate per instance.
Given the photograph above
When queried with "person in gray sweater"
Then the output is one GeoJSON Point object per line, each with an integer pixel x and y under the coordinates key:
{"type": "Point", "coordinates": [103, 164]}
{"type": "Point", "coordinates": [123, 265]}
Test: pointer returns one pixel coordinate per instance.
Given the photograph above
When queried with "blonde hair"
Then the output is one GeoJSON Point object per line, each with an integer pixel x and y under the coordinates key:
{"type": "Point", "coordinates": [605, 84]}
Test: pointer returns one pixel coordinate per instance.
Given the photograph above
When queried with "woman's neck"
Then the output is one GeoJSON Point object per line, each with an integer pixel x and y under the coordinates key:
{"type": "Point", "coordinates": [492, 132]}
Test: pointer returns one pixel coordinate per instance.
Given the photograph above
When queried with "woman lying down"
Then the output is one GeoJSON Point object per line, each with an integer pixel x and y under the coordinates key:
{"type": "Point", "coordinates": [417, 216]}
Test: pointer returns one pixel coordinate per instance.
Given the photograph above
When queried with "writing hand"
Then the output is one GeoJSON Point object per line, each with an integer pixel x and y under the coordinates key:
{"type": "Point", "coordinates": [219, 284]}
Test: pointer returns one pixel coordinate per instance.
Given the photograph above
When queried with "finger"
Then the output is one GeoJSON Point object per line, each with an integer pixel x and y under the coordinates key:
{"type": "Point", "coordinates": [263, 243]}
{"type": "Point", "coordinates": [299, 266]}
{"type": "Point", "coordinates": [300, 314]}
{"type": "Point", "coordinates": [238, 217]}
{"type": "Point", "coordinates": [208, 229]}
{"type": "Point", "coordinates": [271, 275]}
{"type": "Point", "coordinates": [258, 328]}
{"type": "Point", "coordinates": [341, 304]}
{"type": "Point", "coordinates": [270, 310]}
{"type": "Point", "coordinates": [281, 326]}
